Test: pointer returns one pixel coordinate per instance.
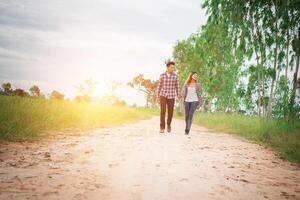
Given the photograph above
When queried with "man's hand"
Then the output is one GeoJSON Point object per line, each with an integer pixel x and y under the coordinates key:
{"type": "Point", "coordinates": [157, 99]}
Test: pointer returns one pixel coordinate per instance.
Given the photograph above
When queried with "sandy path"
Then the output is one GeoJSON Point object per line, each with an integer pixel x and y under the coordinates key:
{"type": "Point", "coordinates": [136, 162]}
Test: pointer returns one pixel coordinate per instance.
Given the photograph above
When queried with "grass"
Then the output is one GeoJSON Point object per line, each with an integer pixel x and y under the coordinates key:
{"type": "Point", "coordinates": [280, 135]}
{"type": "Point", "coordinates": [29, 119]}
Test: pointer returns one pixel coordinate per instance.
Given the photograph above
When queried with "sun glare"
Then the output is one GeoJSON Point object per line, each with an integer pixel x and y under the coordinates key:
{"type": "Point", "coordinates": [100, 90]}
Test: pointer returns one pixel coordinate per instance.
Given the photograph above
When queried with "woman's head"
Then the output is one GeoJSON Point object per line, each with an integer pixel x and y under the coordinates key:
{"type": "Point", "coordinates": [192, 77]}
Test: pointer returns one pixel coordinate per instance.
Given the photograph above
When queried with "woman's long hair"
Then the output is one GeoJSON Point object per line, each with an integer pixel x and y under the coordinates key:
{"type": "Point", "coordinates": [189, 79]}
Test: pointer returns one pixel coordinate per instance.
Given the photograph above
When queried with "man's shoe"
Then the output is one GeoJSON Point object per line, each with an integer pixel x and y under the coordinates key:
{"type": "Point", "coordinates": [169, 129]}
{"type": "Point", "coordinates": [162, 130]}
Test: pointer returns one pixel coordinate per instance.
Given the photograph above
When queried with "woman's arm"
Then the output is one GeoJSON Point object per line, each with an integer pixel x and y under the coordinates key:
{"type": "Point", "coordinates": [199, 93]}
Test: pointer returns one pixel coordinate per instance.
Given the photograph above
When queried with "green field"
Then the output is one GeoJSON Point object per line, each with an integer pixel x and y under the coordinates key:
{"type": "Point", "coordinates": [280, 135]}
{"type": "Point", "coordinates": [30, 118]}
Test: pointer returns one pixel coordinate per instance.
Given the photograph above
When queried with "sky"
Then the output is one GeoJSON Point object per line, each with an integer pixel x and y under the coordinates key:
{"type": "Point", "coordinates": [59, 44]}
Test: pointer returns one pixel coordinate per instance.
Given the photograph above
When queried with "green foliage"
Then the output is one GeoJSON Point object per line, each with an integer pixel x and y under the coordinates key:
{"type": "Point", "coordinates": [210, 54]}
{"type": "Point", "coordinates": [281, 107]}
{"type": "Point", "coordinates": [240, 54]}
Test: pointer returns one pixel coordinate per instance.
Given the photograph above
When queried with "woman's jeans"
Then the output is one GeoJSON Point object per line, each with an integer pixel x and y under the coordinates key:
{"type": "Point", "coordinates": [190, 108]}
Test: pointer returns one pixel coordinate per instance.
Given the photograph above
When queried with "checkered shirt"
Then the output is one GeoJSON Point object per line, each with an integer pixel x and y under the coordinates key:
{"type": "Point", "coordinates": [168, 86]}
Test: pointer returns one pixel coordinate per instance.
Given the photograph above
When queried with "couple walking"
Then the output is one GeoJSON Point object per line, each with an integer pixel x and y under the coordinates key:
{"type": "Point", "coordinates": [168, 90]}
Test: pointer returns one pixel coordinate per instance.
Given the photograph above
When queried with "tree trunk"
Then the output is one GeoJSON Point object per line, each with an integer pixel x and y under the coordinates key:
{"type": "Point", "coordinates": [276, 82]}
{"type": "Point", "coordinates": [147, 101]}
{"type": "Point", "coordinates": [255, 34]}
{"type": "Point", "coordinates": [203, 106]}
{"type": "Point", "coordinates": [263, 94]}
{"type": "Point", "coordinates": [295, 78]}
{"type": "Point", "coordinates": [259, 89]}
{"type": "Point", "coordinates": [287, 65]}
{"type": "Point", "coordinates": [269, 114]}
{"type": "Point", "coordinates": [262, 73]}
{"type": "Point", "coordinates": [209, 105]}
{"type": "Point", "coordinates": [287, 43]}
{"type": "Point", "coordinates": [287, 55]}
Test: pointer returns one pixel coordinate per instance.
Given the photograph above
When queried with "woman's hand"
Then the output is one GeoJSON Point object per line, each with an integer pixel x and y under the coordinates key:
{"type": "Point", "coordinates": [199, 105]}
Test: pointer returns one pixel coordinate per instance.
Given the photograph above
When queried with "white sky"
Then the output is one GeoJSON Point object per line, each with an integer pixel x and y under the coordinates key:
{"type": "Point", "coordinates": [58, 44]}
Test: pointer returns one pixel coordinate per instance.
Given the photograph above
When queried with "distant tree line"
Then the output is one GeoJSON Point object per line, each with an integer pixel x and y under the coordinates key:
{"type": "Point", "coordinates": [85, 93]}
{"type": "Point", "coordinates": [34, 92]}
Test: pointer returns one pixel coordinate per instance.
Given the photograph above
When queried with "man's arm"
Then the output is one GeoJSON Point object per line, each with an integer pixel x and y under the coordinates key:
{"type": "Point", "coordinates": [159, 85]}
{"type": "Point", "coordinates": [177, 87]}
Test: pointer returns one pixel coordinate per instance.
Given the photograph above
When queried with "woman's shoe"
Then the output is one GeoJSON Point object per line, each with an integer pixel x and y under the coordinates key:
{"type": "Point", "coordinates": [186, 132]}
{"type": "Point", "coordinates": [162, 130]}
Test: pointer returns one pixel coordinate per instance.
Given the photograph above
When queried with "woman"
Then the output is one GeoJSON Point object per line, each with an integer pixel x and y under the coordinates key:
{"type": "Point", "coordinates": [192, 99]}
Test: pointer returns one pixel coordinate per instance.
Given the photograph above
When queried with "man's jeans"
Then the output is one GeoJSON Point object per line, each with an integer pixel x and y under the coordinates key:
{"type": "Point", "coordinates": [164, 103]}
{"type": "Point", "coordinates": [190, 108]}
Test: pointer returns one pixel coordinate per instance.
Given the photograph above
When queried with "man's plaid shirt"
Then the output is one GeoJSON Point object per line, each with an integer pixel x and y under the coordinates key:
{"type": "Point", "coordinates": [168, 86]}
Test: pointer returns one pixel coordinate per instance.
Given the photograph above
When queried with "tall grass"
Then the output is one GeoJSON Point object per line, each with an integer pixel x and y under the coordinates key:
{"type": "Point", "coordinates": [281, 135]}
{"type": "Point", "coordinates": [28, 118]}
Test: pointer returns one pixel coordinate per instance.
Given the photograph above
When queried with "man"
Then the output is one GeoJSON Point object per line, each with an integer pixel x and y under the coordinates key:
{"type": "Point", "coordinates": [167, 90]}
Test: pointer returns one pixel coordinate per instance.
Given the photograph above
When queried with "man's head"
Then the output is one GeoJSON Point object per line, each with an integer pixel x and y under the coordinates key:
{"type": "Point", "coordinates": [170, 67]}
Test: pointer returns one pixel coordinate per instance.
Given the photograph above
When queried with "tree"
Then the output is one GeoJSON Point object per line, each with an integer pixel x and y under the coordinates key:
{"type": "Point", "coordinates": [7, 89]}
{"type": "Point", "coordinates": [20, 92]}
{"type": "Point", "coordinates": [82, 98]}
{"type": "Point", "coordinates": [146, 86]}
{"type": "Point", "coordinates": [267, 32]}
{"type": "Point", "coordinates": [111, 97]}
{"type": "Point", "coordinates": [35, 91]}
{"type": "Point", "coordinates": [86, 90]}
{"type": "Point", "coordinates": [119, 102]}
{"type": "Point", "coordinates": [211, 54]}
{"type": "Point", "coordinates": [294, 88]}
{"type": "Point", "coordinates": [56, 95]}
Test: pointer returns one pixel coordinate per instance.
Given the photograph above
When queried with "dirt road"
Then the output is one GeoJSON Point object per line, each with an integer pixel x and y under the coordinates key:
{"type": "Point", "coordinates": [136, 162]}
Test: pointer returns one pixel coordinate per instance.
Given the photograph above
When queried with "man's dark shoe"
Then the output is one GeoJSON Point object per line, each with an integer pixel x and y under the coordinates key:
{"type": "Point", "coordinates": [169, 129]}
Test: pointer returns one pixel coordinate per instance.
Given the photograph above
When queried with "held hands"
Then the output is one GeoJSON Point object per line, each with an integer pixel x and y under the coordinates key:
{"type": "Point", "coordinates": [179, 98]}
{"type": "Point", "coordinates": [157, 99]}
